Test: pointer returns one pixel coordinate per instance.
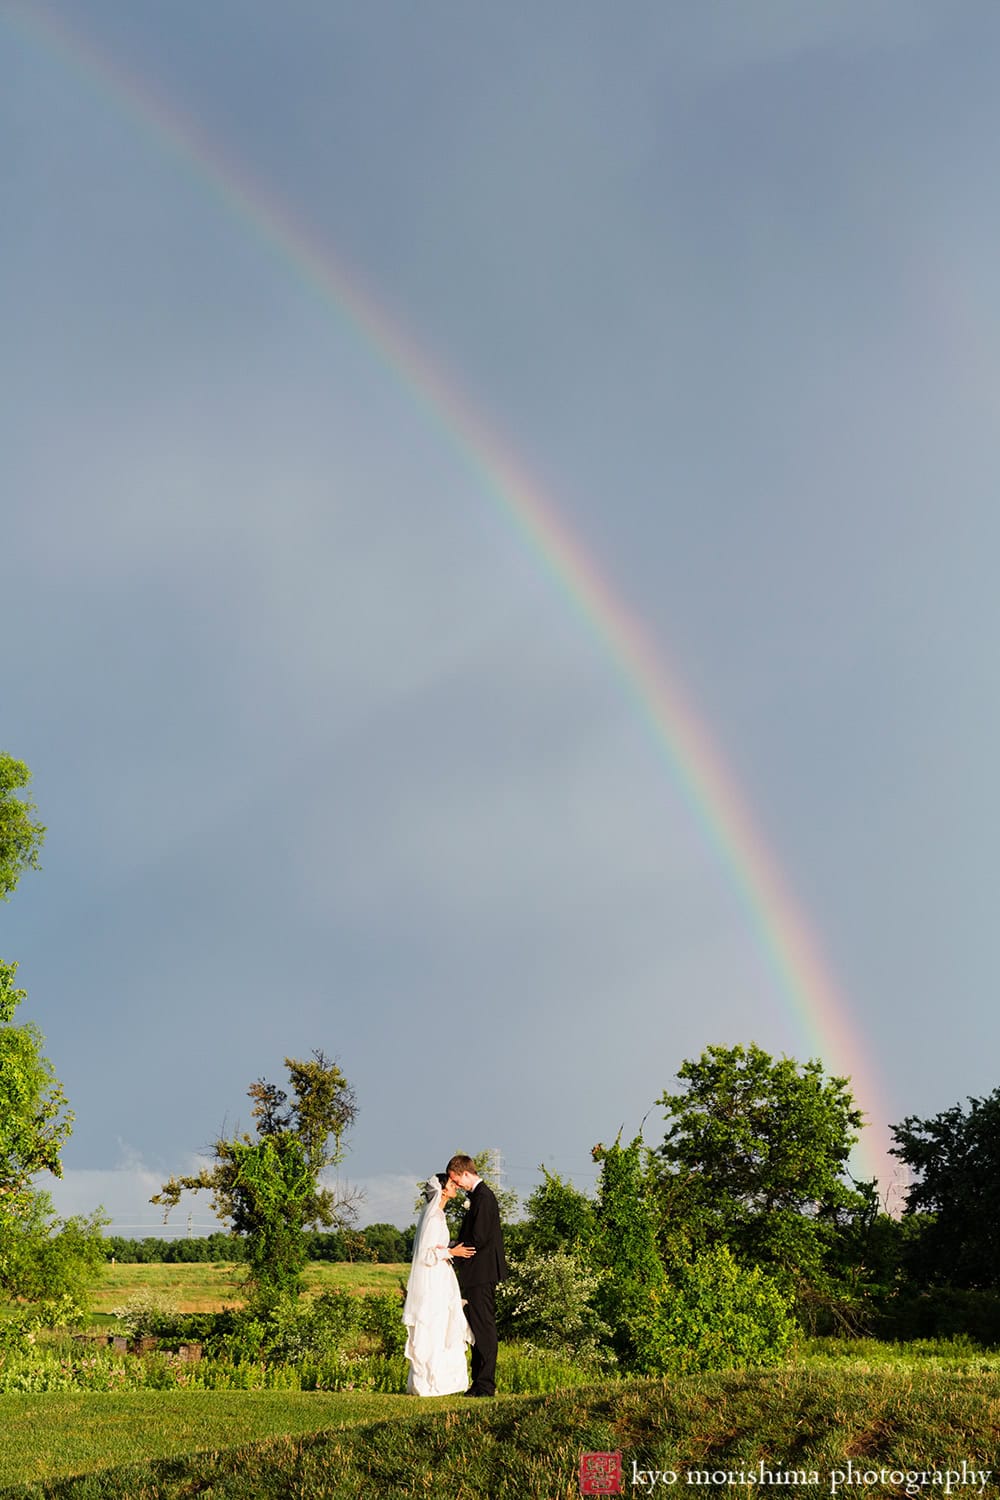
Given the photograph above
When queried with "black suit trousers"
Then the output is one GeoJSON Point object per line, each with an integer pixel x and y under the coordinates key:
{"type": "Point", "coordinates": [481, 1315]}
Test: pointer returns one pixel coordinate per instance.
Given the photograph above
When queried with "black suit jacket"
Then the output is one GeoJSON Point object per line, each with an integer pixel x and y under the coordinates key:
{"type": "Point", "coordinates": [481, 1229]}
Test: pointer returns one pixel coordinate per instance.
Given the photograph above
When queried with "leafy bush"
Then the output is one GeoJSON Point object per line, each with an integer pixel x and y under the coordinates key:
{"type": "Point", "coordinates": [713, 1315]}
{"type": "Point", "coordinates": [546, 1301]}
{"type": "Point", "coordinates": [335, 1318]}
{"type": "Point", "coordinates": [21, 1326]}
{"type": "Point", "coordinates": [336, 1323]}
{"type": "Point", "coordinates": [382, 1320]}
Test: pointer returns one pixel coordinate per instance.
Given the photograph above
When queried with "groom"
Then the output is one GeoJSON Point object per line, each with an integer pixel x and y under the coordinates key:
{"type": "Point", "coordinates": [479, 1272]}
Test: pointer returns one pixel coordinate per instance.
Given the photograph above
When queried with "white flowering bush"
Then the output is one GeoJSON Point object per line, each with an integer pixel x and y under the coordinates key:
{"type": "Point", "coordinates": [546, 1302]}
{"type": "Point", "coordinates": [145, 1313]}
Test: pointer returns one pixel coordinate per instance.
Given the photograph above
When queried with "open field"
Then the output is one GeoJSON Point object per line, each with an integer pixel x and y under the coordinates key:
{"type": "Point", "coordinates": [807, 1422]}
{"type": "Point", "coordinates": [209, 1286]}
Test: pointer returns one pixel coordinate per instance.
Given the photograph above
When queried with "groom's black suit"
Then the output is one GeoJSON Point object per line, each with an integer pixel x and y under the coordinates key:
{"type": "Point", "coordinates": [478, 1277]}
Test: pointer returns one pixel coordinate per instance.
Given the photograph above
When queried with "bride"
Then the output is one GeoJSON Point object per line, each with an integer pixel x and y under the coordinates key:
{"type": "Point", "coordinates": [436, 1330]}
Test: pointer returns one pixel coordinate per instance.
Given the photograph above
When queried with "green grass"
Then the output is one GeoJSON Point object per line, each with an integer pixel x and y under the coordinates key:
{"type": "Point", "coordinates": [208, 1286]}
{"type": "Point", "coordinates": [958, 1355]}
{"type": "Point", "coordinates": [61, 1433]}
{"type": "Point", "coordinates": [807, 1419]}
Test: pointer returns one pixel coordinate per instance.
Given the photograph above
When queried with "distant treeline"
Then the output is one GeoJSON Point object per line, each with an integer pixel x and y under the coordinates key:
{"type": "Point", "coordinates": [378, 1243]}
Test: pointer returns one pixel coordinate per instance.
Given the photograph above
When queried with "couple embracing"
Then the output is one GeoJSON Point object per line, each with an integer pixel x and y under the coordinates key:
{"type": "Point", "coordinates": [444, 1315]}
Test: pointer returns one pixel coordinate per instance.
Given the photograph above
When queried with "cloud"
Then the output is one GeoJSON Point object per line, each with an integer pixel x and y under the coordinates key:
{"type": "Point", "coordinates": [124, 1191]}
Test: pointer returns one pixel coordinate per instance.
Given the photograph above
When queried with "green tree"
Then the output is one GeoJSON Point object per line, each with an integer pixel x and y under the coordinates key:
{"type": "Point", "coordinates": [624, 1247]}
{"type": "Point", "coordinates": [753, 1158]}
{"type": "Point", "coordinates": [385, 1243]}
{"type": "Point", "coordinates": [20, 834]}
{"type": "Point", "coordinates": [44, 1261]}
{"type": "Point", "coordinates": [34, 1117]}
{"type": "Point", "coordinates": [267, 1185]}
{"type": "Point", "coordinates": [559, 1217]}
{"type": "Point", "coordinates": [50, 1263]}
{"type": "Point", "coordinates": [956, 1155]}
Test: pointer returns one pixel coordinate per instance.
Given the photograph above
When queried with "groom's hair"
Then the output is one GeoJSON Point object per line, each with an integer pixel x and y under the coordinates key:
{"type": "Point", "coordinates": [460, 1164]}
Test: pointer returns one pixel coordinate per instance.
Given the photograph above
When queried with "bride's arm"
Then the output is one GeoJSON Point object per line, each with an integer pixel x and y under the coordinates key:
{"type": "Point", "coordinates": [430, 1253]}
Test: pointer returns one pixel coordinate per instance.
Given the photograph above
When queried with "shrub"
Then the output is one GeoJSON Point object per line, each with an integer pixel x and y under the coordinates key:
{"type": "Point", "coordinates": [713, 1315]}
{"type": "Point", "coordinates": [290, 1329]}
{"type": "Point", "coordinates": [146, 1313]}
{"type": "Point", "coordinates": [21, 1326]}
{"type": "Point", "coordinates": [546, 1301]}
{"type": "Point", "coordinates": [335, 1317]}
{"type": "Point", "coordinates": [382, 1320]}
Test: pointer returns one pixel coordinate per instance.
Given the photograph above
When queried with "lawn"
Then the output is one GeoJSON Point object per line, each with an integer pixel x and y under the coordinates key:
{"type": "Point", "coordinates": [60, 1433]}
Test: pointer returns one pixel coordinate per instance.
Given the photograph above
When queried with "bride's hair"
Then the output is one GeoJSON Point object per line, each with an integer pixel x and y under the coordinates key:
{"type": "Point", "coordinates": [435, 1184]}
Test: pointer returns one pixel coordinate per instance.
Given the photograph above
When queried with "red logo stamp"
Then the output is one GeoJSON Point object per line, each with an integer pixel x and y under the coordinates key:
{"type": "Point", "coordinates": [601, 1474]}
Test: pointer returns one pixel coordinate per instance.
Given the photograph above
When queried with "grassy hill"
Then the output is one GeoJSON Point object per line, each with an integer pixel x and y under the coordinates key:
{"type": "Point", "coordinates": [900, 1426]}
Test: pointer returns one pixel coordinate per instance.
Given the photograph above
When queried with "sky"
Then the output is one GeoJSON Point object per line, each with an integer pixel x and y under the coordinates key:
{"type": "Point", "coordinates": [333, 751]}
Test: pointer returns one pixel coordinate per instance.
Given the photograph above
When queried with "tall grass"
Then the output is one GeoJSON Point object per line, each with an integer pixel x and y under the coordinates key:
{"type": "Point", "coordinates": [209, 1286]}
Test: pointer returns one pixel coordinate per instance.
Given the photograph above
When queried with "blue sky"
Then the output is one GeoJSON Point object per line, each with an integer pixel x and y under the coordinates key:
{"type": "Point", "coordinates": [326, 759]}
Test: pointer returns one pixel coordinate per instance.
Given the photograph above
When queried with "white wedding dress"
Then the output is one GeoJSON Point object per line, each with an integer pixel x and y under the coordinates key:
{"type": "Point", "coordinates": [437, 1334]}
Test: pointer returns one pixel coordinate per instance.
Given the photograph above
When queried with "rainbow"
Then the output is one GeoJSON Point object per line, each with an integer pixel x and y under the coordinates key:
{"type": "Point", "coordinates": [780, 927]}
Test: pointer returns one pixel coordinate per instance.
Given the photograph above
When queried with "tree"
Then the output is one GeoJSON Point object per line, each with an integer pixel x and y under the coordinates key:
{"type": "Point", "coordinates": [43, 1260]}
{"type": "Point", "coordinates": [20, 835]}
{"type": "Point", "coordinates": [624, 1248]}
{"type": "Point", "coordinates": [267, 1185]}
{"type": "Point", "coordinates": [34, 1118]}
{"type": "Point", "coordinates": [384, 1243]}
{"type": "Point", "coordinates": [560, 1216]}
{"type": "Point", "coordinates": [957, 1156]}
{"type": "Point", "coordinates": [753, 1158]}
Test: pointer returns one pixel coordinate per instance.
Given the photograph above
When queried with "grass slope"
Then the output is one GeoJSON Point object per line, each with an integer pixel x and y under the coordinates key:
{"type": "Point", "coordinates": [50, 1436]}
{"type": "Point", "coordinates": [811, 1420]}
